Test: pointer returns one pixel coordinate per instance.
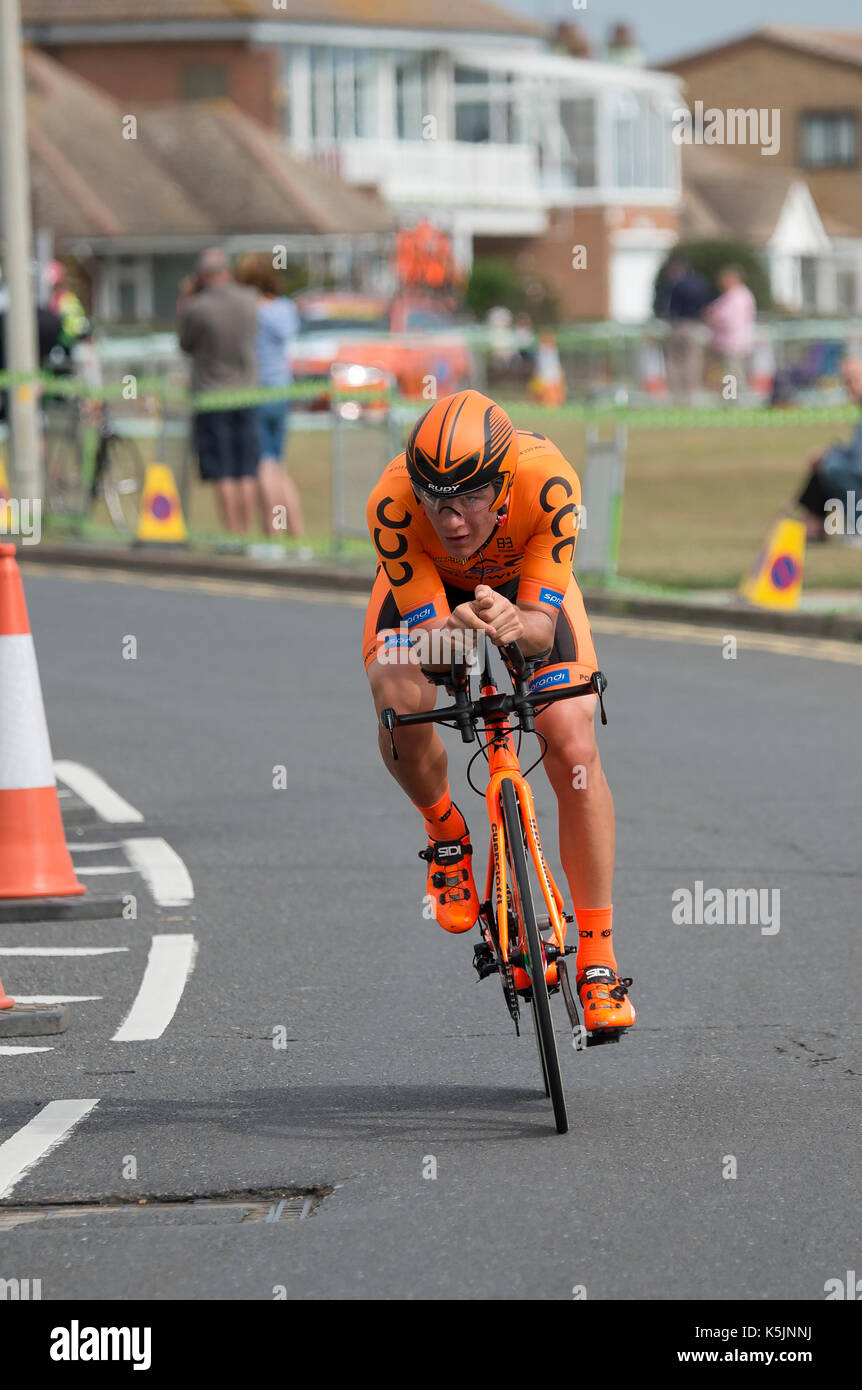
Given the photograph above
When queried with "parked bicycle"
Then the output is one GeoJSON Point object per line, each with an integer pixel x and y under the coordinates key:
{"type": "Point", "coordinates": [87, 461]}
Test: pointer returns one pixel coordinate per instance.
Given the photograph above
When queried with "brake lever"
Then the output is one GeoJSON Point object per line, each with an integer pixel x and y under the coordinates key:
{"type": "Point", "coordinates": [387, 719]}
{"type": "Point", "coordinates": [599, 682]}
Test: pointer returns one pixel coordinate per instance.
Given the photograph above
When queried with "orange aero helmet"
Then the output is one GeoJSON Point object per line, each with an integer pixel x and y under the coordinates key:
{"type": "Point", "coordinates": [463, 443]}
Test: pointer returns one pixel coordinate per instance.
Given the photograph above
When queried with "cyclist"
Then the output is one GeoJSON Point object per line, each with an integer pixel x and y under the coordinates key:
{"type": "Point", "coordinates": [475, 528]}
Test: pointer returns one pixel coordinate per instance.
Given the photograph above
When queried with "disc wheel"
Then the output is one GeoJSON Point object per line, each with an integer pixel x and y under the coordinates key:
{"type": "Point", "coordinates": [535, 960]}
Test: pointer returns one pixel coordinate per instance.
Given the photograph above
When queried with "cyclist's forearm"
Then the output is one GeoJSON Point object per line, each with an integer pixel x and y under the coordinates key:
{"type": "Point", "coordinates": [538, 635]}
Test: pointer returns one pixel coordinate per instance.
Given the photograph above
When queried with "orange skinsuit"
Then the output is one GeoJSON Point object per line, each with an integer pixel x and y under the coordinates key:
{"type": "Point", "coordinates": [528, 557]}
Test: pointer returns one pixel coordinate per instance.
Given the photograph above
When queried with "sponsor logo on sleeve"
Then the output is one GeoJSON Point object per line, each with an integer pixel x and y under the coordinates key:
{"type": "Point", "coordinates": [420, 615]}
{"type": "Point", "coordinates": [551, 679]}
{"type": "Point", "coordinates": [552, 596]}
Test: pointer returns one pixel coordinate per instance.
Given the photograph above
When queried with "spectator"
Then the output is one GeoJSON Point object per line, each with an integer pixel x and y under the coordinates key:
{"type": "Point", "coordinates": [836, 474]}
{"type": "Point", "coordinates": [74, 324]}
{"type": "Point", "coordinates": [682, 298]}
{"type": "Point", "coordinates": [732, 318]}
{"type": "Point", "coordinates": [217, 324]}
{"type": "Point", "coordinates": [277, 323]}
{"type": "Point", "coordinates": [48, 330]}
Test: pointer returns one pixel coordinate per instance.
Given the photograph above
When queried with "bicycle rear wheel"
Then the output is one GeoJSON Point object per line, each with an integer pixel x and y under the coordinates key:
{"type": "Point", "coordinates": [541, 1004]}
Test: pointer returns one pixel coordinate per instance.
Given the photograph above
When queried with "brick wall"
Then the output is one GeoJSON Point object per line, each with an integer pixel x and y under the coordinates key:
{"type": "Point", "coordinates": [762, 74]}
{"type": "Point", "coordinates": [581, 294]}
{"type": "Point", "coordinates": [154, 72]}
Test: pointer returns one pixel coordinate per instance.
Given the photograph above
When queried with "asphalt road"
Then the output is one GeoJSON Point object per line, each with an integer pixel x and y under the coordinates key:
{"type": "Point", "coordinates": [307, 916]}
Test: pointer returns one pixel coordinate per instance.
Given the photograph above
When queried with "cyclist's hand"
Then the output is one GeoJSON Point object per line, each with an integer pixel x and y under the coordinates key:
{"type": "Point", "coordinates": [502, 619]}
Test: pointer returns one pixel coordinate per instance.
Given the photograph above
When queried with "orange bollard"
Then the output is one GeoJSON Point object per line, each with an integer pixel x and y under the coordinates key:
{"type": "Point", "coordinates": [34, 859]}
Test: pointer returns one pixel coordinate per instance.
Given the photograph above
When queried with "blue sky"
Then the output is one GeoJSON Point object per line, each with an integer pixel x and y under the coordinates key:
{"type": "Point", "coordinates": [668, 28]}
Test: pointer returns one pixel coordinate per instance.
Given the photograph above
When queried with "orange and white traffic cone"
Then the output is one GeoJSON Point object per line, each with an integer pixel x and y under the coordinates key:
{"type": "Point", "coordinates": [34, 859]}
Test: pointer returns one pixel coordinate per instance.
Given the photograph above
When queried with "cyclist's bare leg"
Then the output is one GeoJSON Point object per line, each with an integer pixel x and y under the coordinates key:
{"type": "Point", "coordinates": [421, 771]}
{"type": "Point", "coordinates": [586, 808]}
{"type": "Point", "coordinates": [422, 766]}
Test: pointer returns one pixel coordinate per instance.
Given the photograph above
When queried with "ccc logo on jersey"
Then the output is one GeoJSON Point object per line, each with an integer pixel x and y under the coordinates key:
{"type": "Point", "coordinates": [398, 571]}
{"type": "Point", "coordinates": [552, 498]}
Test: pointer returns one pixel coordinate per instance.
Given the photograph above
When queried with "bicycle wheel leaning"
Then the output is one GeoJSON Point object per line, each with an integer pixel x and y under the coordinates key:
{"type": "Point", "coordinates": [541, 1004]}
{"type": "Point", "coordinates": [121, 472]}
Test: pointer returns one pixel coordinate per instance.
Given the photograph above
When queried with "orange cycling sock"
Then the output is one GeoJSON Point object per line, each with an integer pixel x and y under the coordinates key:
{"type": "Point", "coordinates": [443, 820]}
{"type": "Point", "coordinates": [595, 942]}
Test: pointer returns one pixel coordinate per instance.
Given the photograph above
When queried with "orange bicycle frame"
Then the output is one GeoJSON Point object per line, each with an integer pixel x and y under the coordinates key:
{"type": "Point", "coordinates": [503, 763]}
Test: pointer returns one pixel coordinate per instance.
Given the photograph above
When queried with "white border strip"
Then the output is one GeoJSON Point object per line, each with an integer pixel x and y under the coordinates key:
{"type": "Point", "coordinates": [53, 1124]}
{"type": "Point", "coordinates": [162, 870]}
{"type": "Point", "coordinates": [93, 789]}
{"type": "Point", "coordinates": [60, 950]}
{"type": "Point", "coordinates": [169, 966]}
{"type": "Point", "coordinates": [57, 998]}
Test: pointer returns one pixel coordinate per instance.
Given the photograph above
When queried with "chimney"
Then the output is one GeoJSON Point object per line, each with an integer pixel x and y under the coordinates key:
{"type": "Point", "coordinates": [623, 47]}
{"type": "Point", "coordinates": [572, 39]}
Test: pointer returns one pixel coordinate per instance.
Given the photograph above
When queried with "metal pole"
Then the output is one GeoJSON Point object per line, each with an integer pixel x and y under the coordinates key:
{"type": "Point", "coordinates": [15, 200]}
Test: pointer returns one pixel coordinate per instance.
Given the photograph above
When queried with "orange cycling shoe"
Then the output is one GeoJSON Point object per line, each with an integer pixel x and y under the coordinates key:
{"type": "Point", "coordinates": [450, 883]}
{"type": "Point", "coordinates": [603, 995]}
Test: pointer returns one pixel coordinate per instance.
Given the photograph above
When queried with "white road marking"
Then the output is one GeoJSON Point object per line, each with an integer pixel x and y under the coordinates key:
{"type": "Point", "coordinates": [82, 847]}
{"type": "Point", "coordinates": [163, 871]}
{"type": "Point", "coordinates": [53, 1124]}
{"type": "Point", "coordinates": [14, 1051]}
{"type": "Point", "coordinates": [657, 630]}
{"type": "Point", "coordinates": [181, 584]}
{"type": "Point", "coordinates": [60, 950]}
{"type": "Point", "coordinates": [169, 966]}
{"type": "Point", "coordinates": [105, 869]}
{"type": "Point", "coordinates": [55, 998]}
{"type": "Point", "coordinates": [93, 789]}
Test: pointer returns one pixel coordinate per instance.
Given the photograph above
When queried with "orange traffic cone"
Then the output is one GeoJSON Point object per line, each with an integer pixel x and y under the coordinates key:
{"type": "Point", "coordinates": [34, 860]}
{"type": "Point", "coordinates": [6, 1000]}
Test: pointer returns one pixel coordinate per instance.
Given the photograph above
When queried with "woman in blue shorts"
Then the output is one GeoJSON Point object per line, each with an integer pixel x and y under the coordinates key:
{"type": "Point", "coordinates": [277, 323]}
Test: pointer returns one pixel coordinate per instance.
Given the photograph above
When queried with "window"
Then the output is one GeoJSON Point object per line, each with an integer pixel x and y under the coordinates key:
{"type": "Point", "coordinates": [412, 100]}
{"type": "Point", "coordinates": [578, 127]}
{"type": "Point", "coordinates": [829, 140]}
{"type": "Point", "coordinates": [344, 93]}
{"type": "Point", "coordinates": [486, 107]}
{"type": "Point", "coordinates": [202, 81]}
{"type": "Point", "coordinates": [641, 141]}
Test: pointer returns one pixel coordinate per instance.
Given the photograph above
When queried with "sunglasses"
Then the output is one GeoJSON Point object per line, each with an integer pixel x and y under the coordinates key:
{"type": "Point", "coordinates": [464, 501]}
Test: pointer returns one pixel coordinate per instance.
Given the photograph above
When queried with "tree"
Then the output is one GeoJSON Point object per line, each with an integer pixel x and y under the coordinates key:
{"type": "Point", "coordinates": [709, 257]}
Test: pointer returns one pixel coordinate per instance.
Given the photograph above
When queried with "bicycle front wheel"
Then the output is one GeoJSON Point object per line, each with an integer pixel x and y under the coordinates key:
{"type": "Point", "coordinates": [541, 1004]}
{"type": "Point", "coordinates": [121, 474]}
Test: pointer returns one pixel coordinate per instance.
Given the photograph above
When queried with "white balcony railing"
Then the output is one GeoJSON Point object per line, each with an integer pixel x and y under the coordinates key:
{"type": "Point", "coordinates": [447, 171]}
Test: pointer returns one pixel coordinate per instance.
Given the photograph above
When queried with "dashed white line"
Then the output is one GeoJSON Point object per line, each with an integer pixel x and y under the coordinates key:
{"type": "Point", "coordinates": [57, 998]}
{"type": "Point", "coordinates": [84, 846]}
{"type": "Point", "coordinates": [103, 869]}
{"type": "Point", "coordinates": [16, 1051]}
{"type": "Point", "coordinates": [163, 871]}
{"type": "Point", "coordinates": [60, 950]}
{"type": "Point", "coordinates": [93, 789]}
{"type": "Point", "coordinates": [53, 1124]}
{"type": "Point", "coordinates": [169, 965]}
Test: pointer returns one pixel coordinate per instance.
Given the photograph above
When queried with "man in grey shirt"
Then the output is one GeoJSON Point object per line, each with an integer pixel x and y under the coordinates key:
{"type": "Point", "coordinates": [217, 323]}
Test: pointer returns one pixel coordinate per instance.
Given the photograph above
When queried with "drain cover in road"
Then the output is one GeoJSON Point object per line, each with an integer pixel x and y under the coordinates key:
{"type": "Point", "coordinates": [191, 1211]}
